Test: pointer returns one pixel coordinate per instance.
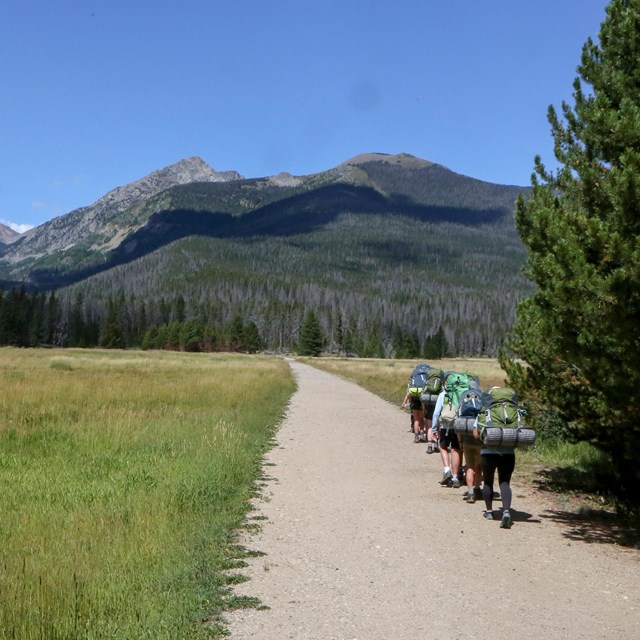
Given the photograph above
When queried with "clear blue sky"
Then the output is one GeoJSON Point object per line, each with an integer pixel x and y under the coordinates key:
{"type": "Point", "coordinates": [99, 93]}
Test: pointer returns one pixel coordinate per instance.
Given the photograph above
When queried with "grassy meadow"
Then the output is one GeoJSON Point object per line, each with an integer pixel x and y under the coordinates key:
{"type": "Point", "coordinates": [122, 475]}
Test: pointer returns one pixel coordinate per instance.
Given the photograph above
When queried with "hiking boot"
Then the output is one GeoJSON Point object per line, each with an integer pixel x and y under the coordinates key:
{"type": "Point", "coordinates": [416, 438]}
{"type": "Point", "coordinates": [506, 521]}
{"type": "Point", "coordinates": [470, 497]}
{"type": "Point", "coordinates": [455, 483]}
{"type": "Point", "coordinates": [488, 515]}
{"type": "Point", "coordinates": [446, 478]}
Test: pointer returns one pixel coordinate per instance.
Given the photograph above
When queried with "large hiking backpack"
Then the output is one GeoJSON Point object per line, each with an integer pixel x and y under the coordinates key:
{"type": "Point", "coordinates": [418, 380]}
{"type": "Point", "coordinates": [435, 380]}
{"type": "Point", "coordinates": [470, 403]}
{"type": "Point", "coordinates": [470, 406]}
{"type": "Point", "coordinates": [500, 420]}
{"type": "Point", "coordinates": [455, 385]}
{"type": "Point", "coordinates": [432, 389]}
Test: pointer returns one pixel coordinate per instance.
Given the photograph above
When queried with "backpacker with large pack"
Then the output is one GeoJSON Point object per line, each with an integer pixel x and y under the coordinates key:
{"type": "Point", "coordinates": [500, 420]}
{"type": "Point", "coordinates": [455, 385]}
{"type": "Point", "coordinates": [468, 410]}
{"type": "Point", "coordinates": [433, 387]}
{"type": "Point", "coordinates": [418, 380]}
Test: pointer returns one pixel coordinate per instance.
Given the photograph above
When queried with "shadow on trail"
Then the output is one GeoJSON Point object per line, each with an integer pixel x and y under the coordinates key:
{"type": "Point", "coordinates": [589, 522]}
{"type": "Point", "coordinates": [594, 526]}
{"type": "Point", "coordinates": [523, 516]}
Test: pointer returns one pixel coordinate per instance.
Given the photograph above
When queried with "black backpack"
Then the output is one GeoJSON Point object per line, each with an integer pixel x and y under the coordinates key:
{"type": "Point", "coordinates": [470, 403]}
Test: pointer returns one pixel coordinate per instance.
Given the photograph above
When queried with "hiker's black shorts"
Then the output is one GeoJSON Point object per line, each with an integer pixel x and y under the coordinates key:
{"type": "Point", "coordinates": [429, 408]}
{"type": "Point", "coordinates": [415, 404]}
{"type": "Point", "coordinates": [449, 438]}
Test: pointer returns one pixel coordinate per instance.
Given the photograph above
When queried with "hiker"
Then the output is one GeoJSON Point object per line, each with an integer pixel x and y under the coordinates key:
{"type": "Point", "coordinates": [499, 425]}
{"type": "Point", "coordinates": [449, 444]}
{"type": "Point", "coordinates": [417, 416]}
{"type": "Point", "coordinates": [469, 408]}
{"type": "Point", "coordinates": [432, 437]}
{"type": "Point", "coordinates": [416, 385]}
{"type": "Point", "coordinates": [471, 448]}
{"type": "Point", "coordinates": [429, 397]}
{"type": "Point", "coordinates": [502, 459]}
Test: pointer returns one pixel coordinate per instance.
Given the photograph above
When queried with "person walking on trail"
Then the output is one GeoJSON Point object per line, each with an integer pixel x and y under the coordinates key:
{"type": "Point", "coordinates": [417, 416]}
{"type": "Point", "coordinates": [503, 460]}
{"type": "Point", "coordinates": [471, 448]}
{"type": "Point", "coordinates": [432, 437]}
{"type": "Point", "coordinates": [449, 444]}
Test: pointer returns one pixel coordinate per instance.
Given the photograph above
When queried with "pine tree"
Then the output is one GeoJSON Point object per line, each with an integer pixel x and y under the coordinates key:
{"type": "Point", "coordinates": [252, 339]}
{"type": "Point", "coordinates": [578, 332]}
{"type": "Point", "coordinates": [111, 337]}
{"type": "Point", "coordinates": [311, 339]}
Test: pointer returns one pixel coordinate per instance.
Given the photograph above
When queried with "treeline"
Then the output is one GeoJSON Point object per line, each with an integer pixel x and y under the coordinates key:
{"type": "Point", "coordinates": [379, 285]}
{"type": "Point", "coordinates": [369, 279]}
{"type": "Point", "coordinates": [35, 320]}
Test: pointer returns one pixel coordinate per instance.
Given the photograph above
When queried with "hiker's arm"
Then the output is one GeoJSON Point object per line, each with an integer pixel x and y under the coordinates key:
{"type": "Point", "coordinates": [436, 413]}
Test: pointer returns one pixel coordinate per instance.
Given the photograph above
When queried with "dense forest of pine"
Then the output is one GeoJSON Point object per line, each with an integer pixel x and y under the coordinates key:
{"type": "Point", "coordinates": [380, 285]}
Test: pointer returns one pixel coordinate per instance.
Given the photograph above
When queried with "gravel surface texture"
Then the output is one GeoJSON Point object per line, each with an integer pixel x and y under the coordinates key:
{"type": "Point", "coordinates": [362, 543]}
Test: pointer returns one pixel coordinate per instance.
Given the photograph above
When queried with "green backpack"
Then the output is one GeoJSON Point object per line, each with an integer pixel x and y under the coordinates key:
{"type": "Point", "coordinates": [500, 408]}
{"type": "Point", "coordinates": [455, 385]}
{"type": "Point", "coordinates": [434, 381]}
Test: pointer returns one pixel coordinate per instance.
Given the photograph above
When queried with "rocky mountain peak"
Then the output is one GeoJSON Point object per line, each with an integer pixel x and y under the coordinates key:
{"type": "Point", "coordinates": [98, 218]}
{"type": "Point", "coordinates": [7, 234]}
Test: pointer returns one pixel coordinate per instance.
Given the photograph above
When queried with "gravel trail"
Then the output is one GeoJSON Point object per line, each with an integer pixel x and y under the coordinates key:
{"type": "Point", "coordinates": [362, 543]}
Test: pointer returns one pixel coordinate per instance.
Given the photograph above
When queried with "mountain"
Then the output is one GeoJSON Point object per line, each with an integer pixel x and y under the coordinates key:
{"type": "Point", "coordinates": [7, 235]}
{"type": "Point", "coordinates": [190, 198]}
{"type": "Point", "coordinates": [389, 250]}
{"type": "Point", "coordinates": [89, 233]}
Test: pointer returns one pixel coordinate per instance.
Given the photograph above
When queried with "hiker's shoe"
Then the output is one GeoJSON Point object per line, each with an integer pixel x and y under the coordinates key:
{"type": "Point", "coordinates": [506, 521]}
{"type": "Point", "coordinates": [455, 483]}
{"type": "Point", "coordinates": [446, 478]}
{"type": "Point", "coordinates": [416, 438]}
{"type": "Point", "coordinates": [430, 447]}
{"type": "Point", "coordinates": [470, 497]}
{"type": "Point", "coordinates": [488, 515]}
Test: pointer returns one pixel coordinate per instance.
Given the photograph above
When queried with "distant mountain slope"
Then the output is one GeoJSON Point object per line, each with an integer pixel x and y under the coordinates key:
{"type": "Point", "coordinates": [7, 235]}
{"type": "Point", "coordinates": [90, 232]}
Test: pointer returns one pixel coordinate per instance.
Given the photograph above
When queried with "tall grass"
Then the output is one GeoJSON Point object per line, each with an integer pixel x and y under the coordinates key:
{"type": "Point", "coordinates": [121, 475]}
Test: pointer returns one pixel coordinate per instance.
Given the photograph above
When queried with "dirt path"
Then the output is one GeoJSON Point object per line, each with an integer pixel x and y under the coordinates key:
{"type": "Point", "coordinates": [362, 542]}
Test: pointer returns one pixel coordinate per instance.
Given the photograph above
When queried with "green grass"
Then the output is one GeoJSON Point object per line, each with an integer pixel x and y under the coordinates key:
{"type": "Point", "coordinates": [123, 475]}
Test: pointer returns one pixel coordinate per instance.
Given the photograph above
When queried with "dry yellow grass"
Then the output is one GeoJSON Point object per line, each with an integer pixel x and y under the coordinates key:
{"type": "Point", "coordinates": [388, 378]}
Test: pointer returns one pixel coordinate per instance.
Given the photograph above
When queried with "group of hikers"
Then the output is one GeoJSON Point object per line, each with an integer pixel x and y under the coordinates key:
{"type": "Point", "coordinates": [475, 432]}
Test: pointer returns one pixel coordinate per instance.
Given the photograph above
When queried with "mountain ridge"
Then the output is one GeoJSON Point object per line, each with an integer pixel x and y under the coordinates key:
{"type": "Point", "coordinates": [189, 197]}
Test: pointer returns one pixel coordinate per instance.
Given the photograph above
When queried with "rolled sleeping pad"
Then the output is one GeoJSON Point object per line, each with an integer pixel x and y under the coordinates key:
{"type": "Point", "coordinates": [428, 398]}
{"type": "Point", "coordinates": [508, 436]}
{"type": "Point", "coordinates": [463, 425]}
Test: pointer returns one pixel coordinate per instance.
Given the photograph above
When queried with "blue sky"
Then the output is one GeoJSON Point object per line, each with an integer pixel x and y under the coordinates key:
{"type": "Point", "coordinates": [99, 93]}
